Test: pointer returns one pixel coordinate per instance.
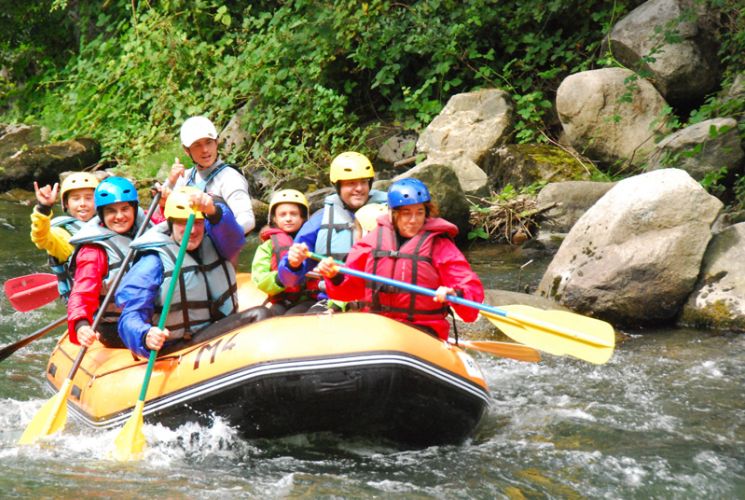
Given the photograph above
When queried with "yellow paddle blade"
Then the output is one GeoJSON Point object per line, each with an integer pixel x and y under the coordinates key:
{"type": "Point", "coordinates": [131, 441]}
{"type": "Point", "coordinates": [557, 332]}
{"type": "Point", "coordinates": [50, 418]}
{"type": "Point", "coordinates": [503, 349]}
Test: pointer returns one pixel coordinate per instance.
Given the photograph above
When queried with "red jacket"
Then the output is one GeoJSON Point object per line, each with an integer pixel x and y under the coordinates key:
{"type": "Point", "coordinates": [448, 265]}
{"type": "Point", "coordinates": [91, 266]}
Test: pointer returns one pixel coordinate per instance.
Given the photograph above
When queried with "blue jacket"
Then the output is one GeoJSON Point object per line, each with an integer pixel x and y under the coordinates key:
{"type": "Point", "coordinates": [140, 287]}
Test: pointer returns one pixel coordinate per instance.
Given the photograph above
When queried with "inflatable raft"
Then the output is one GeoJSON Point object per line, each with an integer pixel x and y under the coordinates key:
{"type": "Point", "coordinates": [352, 373]}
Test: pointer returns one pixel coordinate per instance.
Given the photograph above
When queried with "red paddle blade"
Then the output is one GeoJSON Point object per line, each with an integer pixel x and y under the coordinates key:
{"type": "Point", "coordinates": [32, 291]}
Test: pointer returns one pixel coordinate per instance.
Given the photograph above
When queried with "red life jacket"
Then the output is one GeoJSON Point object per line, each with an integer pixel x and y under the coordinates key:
{"type": "Point", "coordinates": [411, 263]}
{"type": "Point", "coordinates": [281, 242]}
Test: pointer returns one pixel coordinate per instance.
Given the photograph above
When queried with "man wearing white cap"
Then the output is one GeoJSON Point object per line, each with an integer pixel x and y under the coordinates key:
{"type": "Point", "coordinates": [210, 173]}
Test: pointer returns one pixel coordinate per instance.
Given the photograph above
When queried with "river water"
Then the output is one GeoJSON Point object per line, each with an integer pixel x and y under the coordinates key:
{"type": "Point", "coordinates": [664, 418]}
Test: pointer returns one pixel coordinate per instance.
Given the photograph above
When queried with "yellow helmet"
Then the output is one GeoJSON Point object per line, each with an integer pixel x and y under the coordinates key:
{"type": "Point", "coordinates": [287, 196]}
{"type": "Point", "coordinates": [368, 215]}
{"type": "Point", "coordinates": [178, 204]}
{"type": "Point", "coordinates": [77, 180]}
{"type": "Point", "coordinates": [350, 165]}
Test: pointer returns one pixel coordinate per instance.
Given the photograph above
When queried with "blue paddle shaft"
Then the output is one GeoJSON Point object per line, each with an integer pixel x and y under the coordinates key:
{"type": "Point", "coordinates": [411, 288]}
{"type": "Point", "coordinates": [418, 289]}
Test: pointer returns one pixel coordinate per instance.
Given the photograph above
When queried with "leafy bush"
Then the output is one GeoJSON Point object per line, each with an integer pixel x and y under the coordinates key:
{"type": "Point", "coordinates": [314, 76]}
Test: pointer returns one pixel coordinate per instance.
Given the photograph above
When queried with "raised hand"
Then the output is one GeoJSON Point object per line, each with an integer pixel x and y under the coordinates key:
{"type": "Point", "coordinates": [46, 195]}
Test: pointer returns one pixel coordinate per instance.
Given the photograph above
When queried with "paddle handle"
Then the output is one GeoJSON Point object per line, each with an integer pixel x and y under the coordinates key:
{"type": "Point", "coordinates": [534, 322]}
{"type": "Point", "coordinates": [167, 302]}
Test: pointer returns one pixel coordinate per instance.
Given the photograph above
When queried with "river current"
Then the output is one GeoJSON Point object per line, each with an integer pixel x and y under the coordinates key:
{"type": "Point", "coordinates": [664, 418]}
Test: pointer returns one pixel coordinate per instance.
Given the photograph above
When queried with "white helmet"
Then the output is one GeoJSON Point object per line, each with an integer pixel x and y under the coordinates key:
{"type": "Point", "coordinates": [195, 128]}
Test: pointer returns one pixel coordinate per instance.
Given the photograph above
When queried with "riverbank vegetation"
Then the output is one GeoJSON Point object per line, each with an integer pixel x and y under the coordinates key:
{"type": "Point", "coordinates": [312, 77]}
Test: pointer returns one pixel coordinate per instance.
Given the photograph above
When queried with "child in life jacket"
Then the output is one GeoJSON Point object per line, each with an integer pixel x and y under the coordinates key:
{"type": "Point", "coordinates": [52, 234]}
{"type": "Point", "coordinates": [288, 210]}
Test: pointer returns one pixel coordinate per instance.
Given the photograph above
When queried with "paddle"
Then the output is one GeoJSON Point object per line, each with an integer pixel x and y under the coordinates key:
{"type": "Point", "coordinates": [556, 332]}
{"type": "Point", "coordinates": [10, 349]}
{"type": "Point", "coordinates": [32, 291]}
{"type": "Point", "coordinates": [131, 441]}
{"type": "Point", "coordinates": [502, 349]}
{"type": "Point", "coordinates": [52, 416]}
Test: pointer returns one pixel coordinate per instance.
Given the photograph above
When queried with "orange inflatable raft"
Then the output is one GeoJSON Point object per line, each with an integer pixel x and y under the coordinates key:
{"type": "Point", "coordinates": [349, 373]}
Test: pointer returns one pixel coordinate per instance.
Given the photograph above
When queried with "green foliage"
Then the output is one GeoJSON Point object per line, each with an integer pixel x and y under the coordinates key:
{"type": "Point", "coordinates": [312, 75]}
{"type": "Point", "coordinates": [712, 181]}
{"type": "Point", "coordinates": [33, 39]}
{"type": "Point", "coordinates": [478, 233]}
{"type": "Point", "coordinates": [739, 192]}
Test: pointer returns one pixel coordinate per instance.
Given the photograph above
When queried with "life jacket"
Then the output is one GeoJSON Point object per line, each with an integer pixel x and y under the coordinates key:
{"type": "Point", "coordinates": [116, 246]}
{"type": "Point", "coordinates": [281, 242]}
{"type": "Point", "coordinates": [207, 287]}
{"type": "Point", "coordinates": [202, 185]}
{"type": "Point", "coordinates": [62, 269]}
{"type": "Point", "coordinates": [411, 263]}
{"type": "Point", "coordinates": [336, 232]}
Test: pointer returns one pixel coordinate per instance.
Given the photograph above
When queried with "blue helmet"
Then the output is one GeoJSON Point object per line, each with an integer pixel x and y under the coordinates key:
{"type": "Point", "coordinates": [407, 192]}
{"type": "Point", "coordinates": [114, 190]}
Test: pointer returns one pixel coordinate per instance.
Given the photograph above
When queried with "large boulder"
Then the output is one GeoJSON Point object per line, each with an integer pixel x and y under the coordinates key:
{"type": "Point", "coordinates": [397, 148]}
{"type": "Point", "coordinates": [524, 164]}
{"type": "Point", "coordinates": [17, 137]}
{"type": "Point", "coordinates": [469, 125]}
{"type": "Point", "coordinates": [673, 41]}
{"type": "Point", "coordinates": [45, 163]}
{"type": "Point", "coordinates": [561, 204]}
{"type": "Point", "coordinates": [234, 135]}
{"type": "Point", "coordinates": [634, 257]}
{"type": "Point", "coordinates": [718, 300]}
{"type": "Point", "coordinates": [701, 149]}
{"type": "Point", "coordinates": [472, 179]}
{"type": "Point", "coordinates": [600, 121]}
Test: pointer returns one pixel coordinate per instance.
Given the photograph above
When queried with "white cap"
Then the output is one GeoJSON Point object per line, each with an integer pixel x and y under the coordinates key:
{"type": "Point", "coordinates": [195, 128]}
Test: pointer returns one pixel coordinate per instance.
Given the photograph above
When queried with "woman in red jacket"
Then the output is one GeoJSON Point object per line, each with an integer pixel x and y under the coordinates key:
{"type": "Point", "coordinates": [100, 249]}
{"type": "Point", "coordinates": [409, 244]}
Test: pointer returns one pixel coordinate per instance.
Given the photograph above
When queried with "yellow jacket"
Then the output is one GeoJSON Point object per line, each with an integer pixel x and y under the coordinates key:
{"type": "Point", "coordinates": [55, 240]}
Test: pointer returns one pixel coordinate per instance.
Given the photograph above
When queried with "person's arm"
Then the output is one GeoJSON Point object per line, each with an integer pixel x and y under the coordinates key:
{"type": "Point", "coordinates": [225, 232]}
{"type": "Point", "coordinates": [345, 287]}
{"type": "Point", "coordinates": [262, 275]}
{"type": "Point", "coordinates": [136, 297]}
{"type": "Point", "coordinates": [294, 276]}
{"type": "Point", "coordinates": [54, 240]}
{"type": "Point", "coordinates": [234, 190]}
{"type": "Point", "coordinates": [455, 272]}
{"type": "Point", "coordinates": [91, 265]}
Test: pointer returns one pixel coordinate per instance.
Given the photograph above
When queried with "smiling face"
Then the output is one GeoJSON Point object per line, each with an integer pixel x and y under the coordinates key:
{"type": "Point", "coordinates": [288, 217]}
{"type": "Point", "coordinates": [196, 236]}
{"type": "Point", "coordinates": [354, 192]}
{"type": "Point", "coordinates": [409, 219]}
{"type": "Point", "coordinates": [119, 217]}
{"type": "Point", "coordinates": [203, 152]}
{"type": "Point", "coordinates": [80, 204]}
